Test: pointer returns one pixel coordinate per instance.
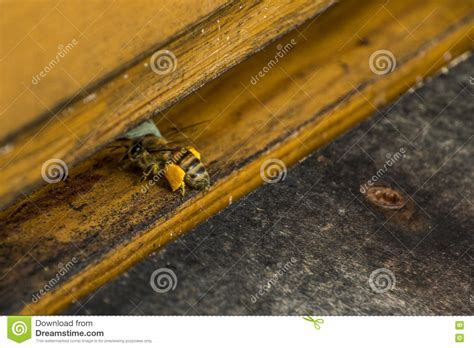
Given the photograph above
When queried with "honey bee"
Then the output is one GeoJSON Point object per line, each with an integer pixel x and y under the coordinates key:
{"type": "Point", "coordinates": [157, 157]}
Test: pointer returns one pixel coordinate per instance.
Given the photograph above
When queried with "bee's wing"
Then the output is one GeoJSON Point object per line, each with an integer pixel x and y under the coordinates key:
{"type": "Point", "coordinates": [184, 134]}
{"type": "Point", "coordinates": [136, 135]}
{"type": "Point", "coordinates": [148, 133]}
{"type": "Point", "coordinates": [121, 143]}
{"type": "Point", "coordinates": [165, 149]}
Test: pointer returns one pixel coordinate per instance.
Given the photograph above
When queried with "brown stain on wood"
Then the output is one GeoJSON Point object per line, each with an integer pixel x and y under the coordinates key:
{"type": "Point", "coordinates": [203, 52]}
{"type": "Point", "coordinates": [118, 225]}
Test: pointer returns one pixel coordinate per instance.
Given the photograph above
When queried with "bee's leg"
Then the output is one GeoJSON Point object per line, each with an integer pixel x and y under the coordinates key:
{"type": "Point", "coordinates": [152, 169]}
{"type": "Point", "coordinates": [183, 188]}
{"type": "Point", "coordinates": [144, 176]}
{"type": "Point", "coordinates": [156, 168]}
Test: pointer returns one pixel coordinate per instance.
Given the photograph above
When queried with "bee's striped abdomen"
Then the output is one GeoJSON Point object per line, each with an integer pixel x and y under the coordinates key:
{"type": "Point", "coordinates": [196, 174]}
{"type": "Point", "coordinates": [190, 164]}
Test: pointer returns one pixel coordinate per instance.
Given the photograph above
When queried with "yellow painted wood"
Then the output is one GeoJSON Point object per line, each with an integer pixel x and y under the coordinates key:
{"type": "Point", "coordinates": [73, 131]}
{"type": "Point", "coordinates": [321, 87]}
{"type": "Point", "coordinates": [103, 35]}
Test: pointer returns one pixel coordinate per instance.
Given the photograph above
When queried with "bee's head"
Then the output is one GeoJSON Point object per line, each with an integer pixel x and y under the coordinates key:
{"type": "Point", "coordinates": [135, 151]}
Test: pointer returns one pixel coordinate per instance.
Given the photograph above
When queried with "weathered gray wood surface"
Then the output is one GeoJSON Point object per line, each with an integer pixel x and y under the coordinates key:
{"type": "Point", "coordinates": [318, 218]}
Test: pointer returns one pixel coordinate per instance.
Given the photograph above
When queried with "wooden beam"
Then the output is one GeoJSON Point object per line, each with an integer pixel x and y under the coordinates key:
{"type": "Point", "coordinates": [322, 86]}
{"type": "Point", "coordinates": [52, 50]}
{"type": "Point", "coordinates": [81, 126]}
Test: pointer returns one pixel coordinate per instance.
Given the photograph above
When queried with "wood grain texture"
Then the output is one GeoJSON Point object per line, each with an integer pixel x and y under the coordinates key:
{"type": "Point", "coordinates": [78, 128]}
{"type": "Point", "coordinates": [316, 242]}
{"type": "Point", "coordinates": [319, 89]}
{"type": "Point", "coordinates": [108, 35]}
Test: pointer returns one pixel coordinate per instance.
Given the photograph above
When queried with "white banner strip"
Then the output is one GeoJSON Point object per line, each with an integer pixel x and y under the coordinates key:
{"type": "Point", "coordinates": [263, 331]}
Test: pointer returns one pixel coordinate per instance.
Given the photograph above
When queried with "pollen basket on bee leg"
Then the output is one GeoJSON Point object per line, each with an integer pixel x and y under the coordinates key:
{"type": "Point", "coordinates": [175, 176]}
